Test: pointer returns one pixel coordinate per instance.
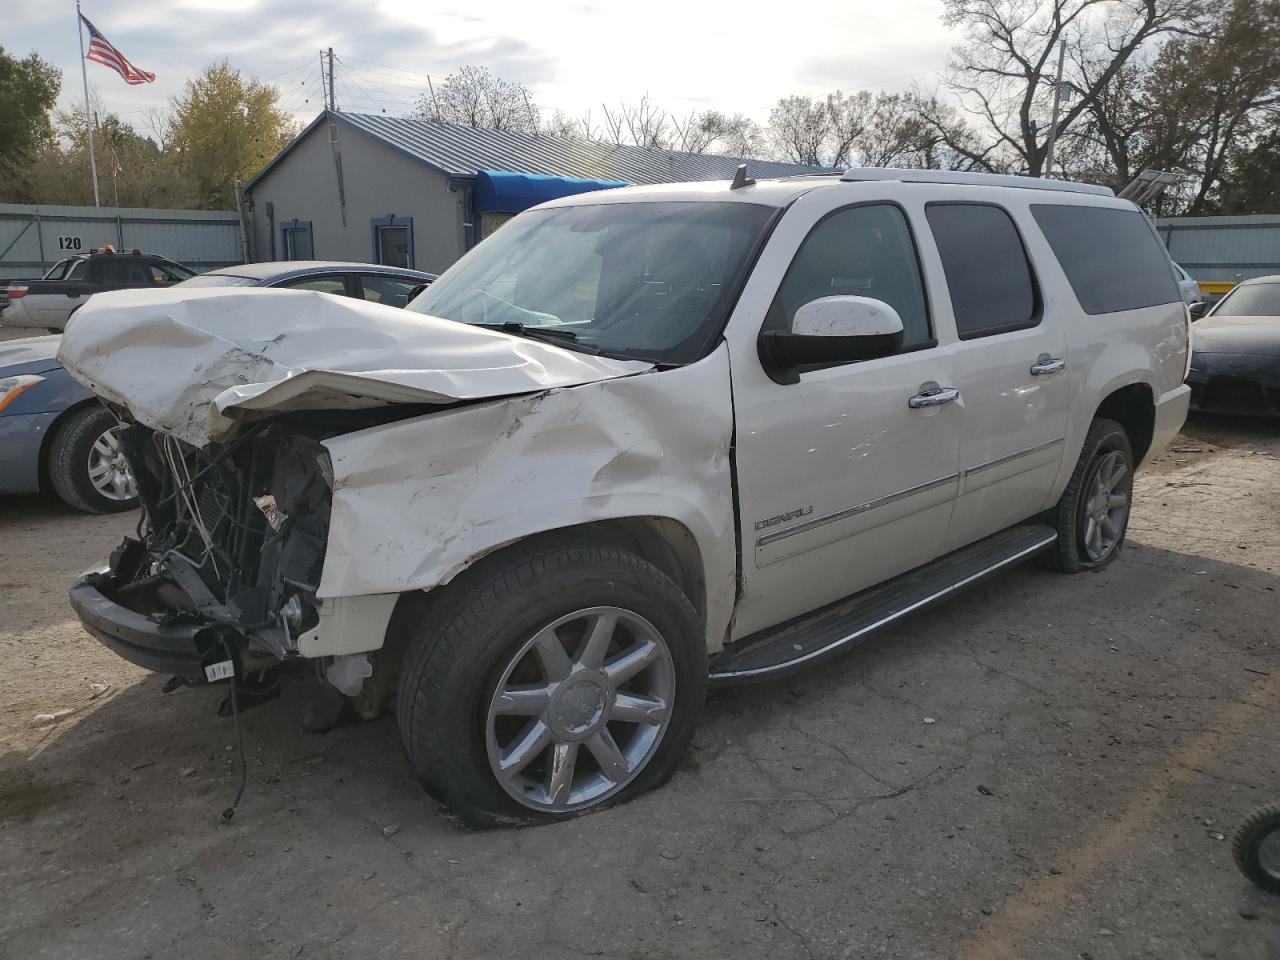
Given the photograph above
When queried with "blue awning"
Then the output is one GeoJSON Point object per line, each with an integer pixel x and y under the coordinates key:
{"type": "Point", "coordinates": [498, 191]}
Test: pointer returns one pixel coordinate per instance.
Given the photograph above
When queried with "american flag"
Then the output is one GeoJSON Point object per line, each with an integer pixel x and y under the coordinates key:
{"type": "Point", "coordinates": [101, 51]}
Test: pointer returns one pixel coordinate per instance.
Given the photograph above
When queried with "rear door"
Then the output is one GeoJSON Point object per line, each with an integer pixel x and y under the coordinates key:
{"type": "Point", "coordinates": [1010, 363]}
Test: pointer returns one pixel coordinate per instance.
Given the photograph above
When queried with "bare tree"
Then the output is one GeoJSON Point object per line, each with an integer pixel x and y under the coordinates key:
{"type": "Point", "coordinates": [1004, 71]}
{"type": "Point", "coordinates": [1191, 104]}
{"type": "Point", "coordinates": [800, 129]}
{"type": "Point", "coordinates": [473, 97]}
{"type": "Point", "coordinates": [711, 131]}
{"type": "Point", "coordinates": [639, 124]}
{"type": "Point", "coordinates": [849, 115]}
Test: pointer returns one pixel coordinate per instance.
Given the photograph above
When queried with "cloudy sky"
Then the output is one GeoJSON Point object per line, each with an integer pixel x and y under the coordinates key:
{"type": "Point", "coordinates": [572, 55]}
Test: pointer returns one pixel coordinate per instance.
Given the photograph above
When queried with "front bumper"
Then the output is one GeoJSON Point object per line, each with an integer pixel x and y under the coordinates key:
{"type": "Point", "coordinates": [1235, 383]}
{"type": "Point", "coordinates": [181, 649]}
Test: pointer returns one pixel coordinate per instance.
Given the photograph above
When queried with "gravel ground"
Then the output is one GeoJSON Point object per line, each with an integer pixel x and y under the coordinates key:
{"type": "Point", "coordinates": [1046, 767]}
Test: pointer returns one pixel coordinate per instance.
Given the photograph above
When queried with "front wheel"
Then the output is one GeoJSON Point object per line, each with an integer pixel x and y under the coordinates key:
{"type": "Point", "coordinates": [1256, 848]}
{"type": "Point", "coordinates": [1093, 514]}
{"type": "Point", "coordinates": [549, 681]}
{"type": "Point", "coordinates": [87, 466]}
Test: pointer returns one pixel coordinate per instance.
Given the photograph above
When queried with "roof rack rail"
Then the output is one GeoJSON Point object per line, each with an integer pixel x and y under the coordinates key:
{"type": "Point", "coordinates": [973, 179]}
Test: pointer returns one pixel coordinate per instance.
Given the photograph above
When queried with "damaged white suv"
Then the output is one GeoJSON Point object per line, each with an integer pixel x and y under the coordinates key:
{"type": "Point", "coordinates": [634, 442]}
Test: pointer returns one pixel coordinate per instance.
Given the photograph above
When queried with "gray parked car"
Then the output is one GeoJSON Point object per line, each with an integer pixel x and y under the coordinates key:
{"type": "Point", "coordinates": [55, 434]}
{"type": "Point", "coordinates": [393, 286]}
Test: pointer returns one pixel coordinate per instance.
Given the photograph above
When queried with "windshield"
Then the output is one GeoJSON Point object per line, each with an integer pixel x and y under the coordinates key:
{"type": "Point", "coordinates": [650, 281]}
{"type": "Point", "coordinates": [1253, 300]}
{"type": "Point", "coordinates": [217, 280]}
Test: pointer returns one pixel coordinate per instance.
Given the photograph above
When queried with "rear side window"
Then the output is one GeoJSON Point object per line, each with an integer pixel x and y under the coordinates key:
{"type": "Point", "coordinates": [1111, 257]}
{"type": "Point", "coordinates": [988, 276]}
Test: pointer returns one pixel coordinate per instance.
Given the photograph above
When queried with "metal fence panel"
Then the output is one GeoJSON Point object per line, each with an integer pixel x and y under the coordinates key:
{"type": "Point", "coordinates": [1216, 249]}
{"type": "Point", "coordinates": [33, 238]}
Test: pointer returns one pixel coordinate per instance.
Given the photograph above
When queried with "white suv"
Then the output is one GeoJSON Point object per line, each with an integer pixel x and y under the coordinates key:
{"type": "Point", "coordinates": [634, 442]}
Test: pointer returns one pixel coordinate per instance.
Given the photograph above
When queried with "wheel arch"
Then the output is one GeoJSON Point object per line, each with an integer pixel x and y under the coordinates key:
{"type": "Point", "coordinates": [1133, 406]}
{"type": "Point", "coordinates": [46, 442]}
{"type": "Point", "coordinates": [663, 541]}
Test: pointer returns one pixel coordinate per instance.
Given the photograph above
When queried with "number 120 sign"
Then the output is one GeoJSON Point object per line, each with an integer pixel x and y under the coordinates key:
{"type": "Point", "coordinates": [69, 243]}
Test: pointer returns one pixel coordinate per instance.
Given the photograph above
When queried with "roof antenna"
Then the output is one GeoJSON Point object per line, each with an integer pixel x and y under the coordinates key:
{"type": "Point", "coordinates": [740, 178]}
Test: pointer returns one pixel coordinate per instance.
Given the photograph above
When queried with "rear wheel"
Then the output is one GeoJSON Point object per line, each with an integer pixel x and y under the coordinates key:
{"type": "Point", "coordinates": [87, 467]}
{"type": "Point", "coordinates": [1093, 514]}
{"type": "Point", "coordinates": [550, 681]}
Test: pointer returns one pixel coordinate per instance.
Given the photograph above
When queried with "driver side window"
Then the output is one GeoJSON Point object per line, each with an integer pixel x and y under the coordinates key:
{"type": "Point", "coordinates": [864, 251]}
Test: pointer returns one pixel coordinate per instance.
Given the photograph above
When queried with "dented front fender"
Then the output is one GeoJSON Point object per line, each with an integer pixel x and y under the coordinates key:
{"type": "Point", "coordinates": [417, 501]}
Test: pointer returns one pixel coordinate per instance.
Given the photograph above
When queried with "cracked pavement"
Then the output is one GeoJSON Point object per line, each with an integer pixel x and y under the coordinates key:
{"type": "Point", "coordinates": [1092, 739]}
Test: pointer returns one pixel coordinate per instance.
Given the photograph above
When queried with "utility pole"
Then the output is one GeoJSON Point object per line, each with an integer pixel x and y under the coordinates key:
{"type": "Point", "coordinates": [1047, 169]}
{"type": "Point", "coordinates": [333, 103]}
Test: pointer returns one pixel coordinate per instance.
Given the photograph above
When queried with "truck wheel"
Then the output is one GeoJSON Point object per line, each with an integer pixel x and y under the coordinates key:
{"type": "Point", "coordinates": [1093, 514]}
{"type": "Point", "coordinates": [87, 466]}
{"type": "Point", "coordinates": [550, 680]}
{"type": "Point", "coordinates": [1256, 848]}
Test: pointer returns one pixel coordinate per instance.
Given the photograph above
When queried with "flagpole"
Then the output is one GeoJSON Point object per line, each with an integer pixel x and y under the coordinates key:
{"type": "Point", "coordinates": [88, 111]}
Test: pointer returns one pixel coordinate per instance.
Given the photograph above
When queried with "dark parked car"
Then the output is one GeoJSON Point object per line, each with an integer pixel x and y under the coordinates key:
{"type": "Point", "coordinates": [49, 302]}
{"type": "Point", "coordinates": [55, 433]}
{"type": "Point", "coordinates": [1235, 364]}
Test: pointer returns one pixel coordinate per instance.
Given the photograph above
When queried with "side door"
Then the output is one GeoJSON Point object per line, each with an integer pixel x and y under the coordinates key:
{"type": "Point", "coordinates": [842, 482]}
{"type": "Point", "coordinates": [52, 306]}
{"type": "Point", "coordinates": [1010, 365]}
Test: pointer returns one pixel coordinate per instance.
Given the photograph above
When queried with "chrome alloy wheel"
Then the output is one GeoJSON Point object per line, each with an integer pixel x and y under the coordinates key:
{"type": "Point", "coordinates": [109, 470]}
{"type": "Point", "coordinates": [580, 709]}
{"type": "Point", "coordinates": [1107, 510]}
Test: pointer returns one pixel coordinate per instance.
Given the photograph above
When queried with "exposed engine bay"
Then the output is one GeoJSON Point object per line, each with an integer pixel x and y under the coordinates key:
{"type": "Point", "coordinates": [233, 534]}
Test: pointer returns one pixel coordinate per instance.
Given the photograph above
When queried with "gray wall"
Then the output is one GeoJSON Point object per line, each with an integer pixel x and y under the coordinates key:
{"type": "Point", "coordinates": [34, 237]}
{"type": "Point", "coordinates": [1224, 248]}
{"type": "Point", "coordinates": [378, 181]}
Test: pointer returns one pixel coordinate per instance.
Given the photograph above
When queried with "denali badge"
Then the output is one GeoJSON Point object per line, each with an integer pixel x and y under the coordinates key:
{"type": "Point", "coordinates": [795, 514]}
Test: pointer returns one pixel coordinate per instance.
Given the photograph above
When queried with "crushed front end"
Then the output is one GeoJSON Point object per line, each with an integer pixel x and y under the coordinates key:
{"type": "Point", "coordinates": [227, 557]}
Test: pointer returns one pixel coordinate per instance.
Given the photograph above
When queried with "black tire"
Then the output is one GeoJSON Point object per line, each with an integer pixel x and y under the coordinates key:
{"type": "Point", "coordinates": [1246, 847]}
{"type": "Point", "coordinates": [468, 635]}
{"type": "Point", "coordinates": [1070, 553]}
{"type": "Point", "coordinates": [68, 461]}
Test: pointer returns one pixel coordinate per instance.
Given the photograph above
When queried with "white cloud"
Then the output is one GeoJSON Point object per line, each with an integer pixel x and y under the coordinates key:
{"type": "Point", "coordinates": [573, 55]}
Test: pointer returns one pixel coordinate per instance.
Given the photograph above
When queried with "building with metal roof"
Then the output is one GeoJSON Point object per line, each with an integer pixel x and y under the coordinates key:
{"type": "Point", "coordinates": [417, 194]}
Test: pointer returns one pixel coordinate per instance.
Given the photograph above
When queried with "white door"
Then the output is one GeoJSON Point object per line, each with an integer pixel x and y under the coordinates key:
{"type": "Point", "coordinates": [841, 482]}
{"type": "Point", "coordinates": [1010, 365]}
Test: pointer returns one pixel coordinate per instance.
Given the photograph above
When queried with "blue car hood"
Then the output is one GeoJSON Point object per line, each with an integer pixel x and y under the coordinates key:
{"type": "Point", "coordinates": [29, 355]}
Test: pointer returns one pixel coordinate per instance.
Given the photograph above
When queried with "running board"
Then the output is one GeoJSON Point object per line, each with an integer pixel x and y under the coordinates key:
{"type": "Point", "coordinates": [813, 637]}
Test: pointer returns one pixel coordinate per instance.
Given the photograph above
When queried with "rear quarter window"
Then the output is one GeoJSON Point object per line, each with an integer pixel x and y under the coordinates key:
{"type": "Point", "coordinates": [1112, 258]}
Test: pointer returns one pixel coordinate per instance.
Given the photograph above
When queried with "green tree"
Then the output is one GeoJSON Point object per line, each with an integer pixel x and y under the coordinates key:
{"type": "Point", "coordinates": [223, 128]}
{"type": "Point", "coordinates": [133, 171]}
{"type": "Point", "coordinates": [28, 89]}
{"type": "Point", "coordinates": [1251, 184]}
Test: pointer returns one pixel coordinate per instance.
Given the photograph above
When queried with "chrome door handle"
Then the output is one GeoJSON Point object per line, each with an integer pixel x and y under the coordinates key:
{"type": "Point", "coordinates": [1046, 365]}
{"type": "Point", "coordinates": [934, 398]}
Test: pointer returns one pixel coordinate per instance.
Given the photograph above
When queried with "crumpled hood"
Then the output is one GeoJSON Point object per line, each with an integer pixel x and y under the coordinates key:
{"type": "Point", "coordinates": [28, 355]}
{"type": "Point", "coordinates": [1259, 336]}
{"type": "Point", "coordinates": [185, 362]}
